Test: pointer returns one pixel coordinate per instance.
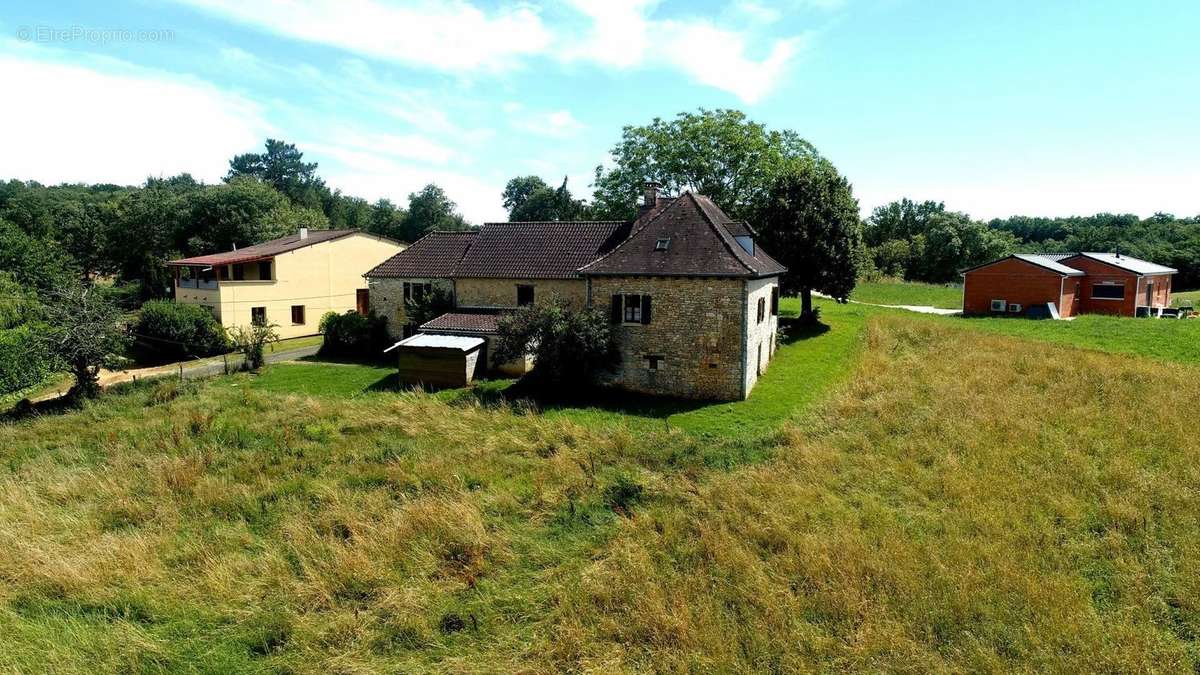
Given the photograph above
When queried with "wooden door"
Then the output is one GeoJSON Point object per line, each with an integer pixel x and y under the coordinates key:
{"type": "Point", "coordinates": [362, 298]}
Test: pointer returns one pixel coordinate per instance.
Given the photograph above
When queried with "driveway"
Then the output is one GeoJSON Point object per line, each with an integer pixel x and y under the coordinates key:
{"type": "Point", "coordinates": [920, 309]}
{"type": "Point", "coordinates": [189, 370]}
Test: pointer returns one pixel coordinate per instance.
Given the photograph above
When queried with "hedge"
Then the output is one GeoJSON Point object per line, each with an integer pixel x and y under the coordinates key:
{"type": "Point", "coordinates": [354, 336]}
{"type": "Point", "coordinates": [178, 331]}
{"type": "Point", "coordinates": [24, 360]}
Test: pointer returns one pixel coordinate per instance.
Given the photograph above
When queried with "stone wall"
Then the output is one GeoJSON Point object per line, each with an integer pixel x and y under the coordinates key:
{"type": "Point", "coordinates": [760, 336]}
{"type": "Point", "coordinates": [387, 299]}
{"type": "Point", "coordinates": [697, 326]}
{"type": "Point", "coordinates": [502, 293]}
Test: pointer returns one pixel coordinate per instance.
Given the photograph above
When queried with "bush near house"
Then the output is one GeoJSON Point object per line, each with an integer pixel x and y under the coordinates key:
{"type": "Point", "coordinates": [24, 360]}
{"type": "Point", "coordinates": [568, 346]}
{"type": "Point", "coordinates": [176, 331]}
{"type": "Point", "coordinates": [354, 336]}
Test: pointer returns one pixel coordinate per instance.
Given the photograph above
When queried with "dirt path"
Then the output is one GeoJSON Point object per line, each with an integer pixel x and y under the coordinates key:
{"type": "Point", "coordinates": [920, 309]}
{"type": "Point", "coordinates": [185, 369]}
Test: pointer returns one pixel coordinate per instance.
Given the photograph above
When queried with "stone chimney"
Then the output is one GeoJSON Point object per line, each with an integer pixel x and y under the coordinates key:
{"type": "Point", "coordinates": [303, 233]}
{"type": "Point", "coordinates": [650, 194]}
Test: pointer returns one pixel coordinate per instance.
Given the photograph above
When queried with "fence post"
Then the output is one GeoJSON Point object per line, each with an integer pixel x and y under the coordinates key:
{"type": "Point", "coordinates": [225, 359]}
{"type": "Point", "coordinates": [181, 373]}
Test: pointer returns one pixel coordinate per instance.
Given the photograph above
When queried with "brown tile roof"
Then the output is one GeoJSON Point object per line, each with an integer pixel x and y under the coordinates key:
{"type": "Point", "coordinates": [539, 250]}
{"type": "Point", "coordinates": [433, 256]}
{"type": "Point", "coordinates": [267, 249]}
{"type": "Point", "coordinates": [461, 322]}
{"type": "Point", "coordinates": [701, 244]}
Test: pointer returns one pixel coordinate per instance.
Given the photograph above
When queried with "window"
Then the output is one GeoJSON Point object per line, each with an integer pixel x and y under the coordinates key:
{"type": "Point", "coordinates": [258, 316]}
{"type": "Point", "coordinates": [774, 301]}
{"type": "Point", "coordinates": [652, 361]}
{"type": "Point", "coordinates": [223, 272]}
{"type": "Point", "coordinates": [999, 305]}
{"type": "Point", "coordinates": [298, 315]}
{"type": "Point", "coordinates": [631, 308]}
{"type": "Point", "coordinates": [524, 295]}
{"type": "Point", "coordinates": [264, 270]}
{"type": "Point", "coordinates": [1109, 291]}
{"type": "Point", "coordinates": [662, 244]}
{"type": "Point", "coordinates": [416, 291]}
{"type": "Point", "coordinates": [239, 272]}
{"type": "Point", "coordinates": [762, 309]}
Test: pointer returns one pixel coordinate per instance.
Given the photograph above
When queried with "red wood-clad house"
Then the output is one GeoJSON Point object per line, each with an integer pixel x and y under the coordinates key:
{"type": "Point", "coordinates": [1069, 283]}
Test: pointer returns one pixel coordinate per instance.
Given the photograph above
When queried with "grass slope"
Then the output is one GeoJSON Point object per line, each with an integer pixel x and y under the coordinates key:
{"type": "Point", "coordinates": [895, 292]}
{"type": "Point", "coordinates": [960, 503]}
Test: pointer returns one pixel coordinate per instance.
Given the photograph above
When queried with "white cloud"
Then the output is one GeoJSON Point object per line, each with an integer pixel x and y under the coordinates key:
{"type": "Point", "coordinates": [404, 146]}
{"type": "Point", "coordinates": [372, 176]}
{"type": "Point", "coordinates": [553, 124]}
{"type": "Point", "coordinates": [76, 124]}
{"type": "Point", "coordinates": [451, 35]}
{"type": "Point", "coordinates": [455, 36]}
{"type": "Point", "coordinates": [718, 58]}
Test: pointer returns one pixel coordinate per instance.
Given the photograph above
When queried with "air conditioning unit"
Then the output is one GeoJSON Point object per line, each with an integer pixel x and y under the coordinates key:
{"type": "Point", "coordinates": [1014, 308]}
{"type": "Point", "coordinates": [999, 305]}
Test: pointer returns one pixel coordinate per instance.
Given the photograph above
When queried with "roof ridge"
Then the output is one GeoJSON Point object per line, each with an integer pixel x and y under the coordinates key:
{"type": "Point", "coordinates": [722, 233]}
{"type": "Point", "coordinates": [634, 233]}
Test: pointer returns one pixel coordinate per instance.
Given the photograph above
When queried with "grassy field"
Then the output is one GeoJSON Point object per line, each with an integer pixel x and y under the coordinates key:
{"type": "Point", "coordinates": [895, 292]}
{"type": "Point", "coordinates": [1186, 298]}
{"type": "Point", "coordinates": [958, 502]}
{"type": "Point", "coordinates": [824, 357]}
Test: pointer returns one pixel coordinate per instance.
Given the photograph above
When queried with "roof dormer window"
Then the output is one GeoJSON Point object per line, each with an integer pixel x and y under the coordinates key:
{"type": "Point", "coordinates": [746, 242]}
{"type": "Point", "coordinates": [662, 244]}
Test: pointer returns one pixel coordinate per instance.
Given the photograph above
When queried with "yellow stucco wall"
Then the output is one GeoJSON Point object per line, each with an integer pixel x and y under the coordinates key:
{"type": "Point", "coordinates": [323, 277]}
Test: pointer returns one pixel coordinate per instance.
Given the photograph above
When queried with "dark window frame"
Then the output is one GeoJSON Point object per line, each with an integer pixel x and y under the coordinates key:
{"type": "Point", "coordinates": [267, 266]}
{"type": "Point", "coordinates": [762, 309]}
{"type": "Point", "coordinates": [301, 322]}
{"type": "Point", "coordinates": [774, 301]}
{"type": "Point", "coordinates": [654, 362]}
{"type": "Point", "coordinates": [525, 288]}
{"type": "Point", "coordinates": [258, 316]}
{"type": "Point", "coordinates": [662, 244]}
{"type": "Point", "coordinates": [1116, 286]}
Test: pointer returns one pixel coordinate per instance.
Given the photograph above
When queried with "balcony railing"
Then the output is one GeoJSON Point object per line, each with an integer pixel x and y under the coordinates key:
{"type": "Point", "coordinates": [202, 284]}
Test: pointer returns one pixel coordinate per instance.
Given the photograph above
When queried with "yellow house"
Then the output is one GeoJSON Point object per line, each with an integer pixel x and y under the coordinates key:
{"type": "Point", "coordinates": [290, 282]}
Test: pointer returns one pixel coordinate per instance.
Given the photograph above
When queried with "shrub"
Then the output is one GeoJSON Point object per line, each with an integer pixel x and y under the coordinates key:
{"type": "Point", "coordinates": [252, 341]}
{"type": "Point", "coordinates": [24, 360]}
{"type": "Point", "coordinates": [623, 494]}
{"type": "Point", "coordinates": [568, 346]}
{"type": "Point", "coordinates": [352, 335]}
{"type": "Point", "coordinates": [178, 331]}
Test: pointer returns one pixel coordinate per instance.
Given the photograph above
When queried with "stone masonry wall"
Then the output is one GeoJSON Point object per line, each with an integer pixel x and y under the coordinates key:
{"type": "Point", "coordinates": [387, 299]}
{"type": "Point", "coordinates": [759, 335]}
{"type": "Point", "coordinates": [501, 293]}
{"type": "Point", "coordinates": [696, 326]}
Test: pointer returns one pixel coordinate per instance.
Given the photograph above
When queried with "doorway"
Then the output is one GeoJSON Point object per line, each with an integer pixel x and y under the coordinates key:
{"type": "Point", "coordinates": [362, 300]}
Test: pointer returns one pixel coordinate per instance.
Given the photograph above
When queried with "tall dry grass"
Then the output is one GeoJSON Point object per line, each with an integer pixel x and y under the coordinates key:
{"type": "Point", "coordinates": [965, 502]}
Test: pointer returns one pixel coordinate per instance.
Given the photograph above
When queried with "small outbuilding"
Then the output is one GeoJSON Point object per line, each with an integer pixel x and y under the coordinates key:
{"type": "Point", "coordinates": [440, 360]}
{"type": "Point", "coordinates": [1066, 285]}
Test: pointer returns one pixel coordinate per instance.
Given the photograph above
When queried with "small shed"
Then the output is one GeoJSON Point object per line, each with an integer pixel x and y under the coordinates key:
{"type": "Point", "coordinates": [440, 360]}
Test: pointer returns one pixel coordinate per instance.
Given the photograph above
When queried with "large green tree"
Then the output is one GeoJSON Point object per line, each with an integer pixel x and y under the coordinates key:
{"type": "Point", "coordinates": [242, 212]}
{"type": "Point", "coordinates": [809, 222]}
{"type": "Point", "coordinates": [283, 167]}
{"type": "Point", "coordinates": [530, 198]}
{"type": "Point", "coordinates": [84, 332]}
{"type": "Point", "coordinates": [922, 241]}
{"type": "Point", "coordinates": [430, 209]}
{"type": "Point", "coordinates": [719, 153]}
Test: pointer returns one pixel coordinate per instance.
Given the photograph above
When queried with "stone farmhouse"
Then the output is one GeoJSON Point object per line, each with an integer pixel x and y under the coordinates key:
{"type": "Point", "coordinates": [693, 299]}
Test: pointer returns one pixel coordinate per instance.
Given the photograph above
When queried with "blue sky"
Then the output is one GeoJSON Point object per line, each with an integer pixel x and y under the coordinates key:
{"type": "Point", "coordinates": [996, 108]}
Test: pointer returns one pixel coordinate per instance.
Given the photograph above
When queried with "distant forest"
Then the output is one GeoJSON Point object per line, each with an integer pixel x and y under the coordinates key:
{"type": "Point", "coordinates": [125, 234]}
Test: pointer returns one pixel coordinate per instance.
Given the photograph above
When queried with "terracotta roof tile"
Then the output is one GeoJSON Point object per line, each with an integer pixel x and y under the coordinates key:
{"type": "Point", "coordinates": [539, 250]}
{"type": "Point", "coordinates": [462, 322]}
{"type": "Point", "coordinates": [699, 243]}
{"type": "Point", "coordinates": [267, 249]}
{"type": "Point", "coordinates": [433, 256]}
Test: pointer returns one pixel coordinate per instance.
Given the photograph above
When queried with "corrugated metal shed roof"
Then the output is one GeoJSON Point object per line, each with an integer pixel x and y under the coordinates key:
{"type": "Point", "coordinates": [267, 249]}
{"type": "Point", "coordinates": [459, 342]}
{"type": "Point", "coordinates": [1049, 263]}
{"type": "Point", "coordinates": [1125, 262]}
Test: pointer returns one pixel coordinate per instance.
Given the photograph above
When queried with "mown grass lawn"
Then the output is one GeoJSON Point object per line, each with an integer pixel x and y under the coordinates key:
{"type": "Point", "coordinates": [896, 292]}
{"type": "Point", "coordinates": [805, 367]}
{"type": "Point", "coordinates": [1186, 298]}
{"type": "Point", "coordinates": [959, 502]}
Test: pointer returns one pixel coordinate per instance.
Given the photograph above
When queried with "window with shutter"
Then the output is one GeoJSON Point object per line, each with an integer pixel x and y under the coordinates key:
{"type": "Point", "coordinates": [615, 316]}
